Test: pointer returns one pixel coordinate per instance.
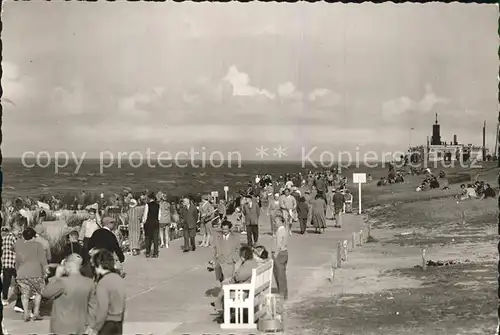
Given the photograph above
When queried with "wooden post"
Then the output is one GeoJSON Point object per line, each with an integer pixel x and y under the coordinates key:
{"type": "Point", "coordinates": [361, 237]}
{"type": "Point", "coordinates": [334, 266]}
{"type": "Point", "coordinates": [344, 250]}
{"type": "Point", "coordinates": [424, 261]}
{"type": "Point", "coordinates": [353, 242]}
{"type": "Point", "coordinates": [339, 255]}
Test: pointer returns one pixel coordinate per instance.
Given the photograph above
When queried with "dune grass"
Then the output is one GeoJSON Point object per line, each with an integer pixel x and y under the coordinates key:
{"type": "Point", "coordinates": [451, 300]}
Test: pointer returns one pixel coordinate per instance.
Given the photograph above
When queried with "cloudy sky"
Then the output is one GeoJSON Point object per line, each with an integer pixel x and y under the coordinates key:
{"type": "Point", "coordinates": [130, 76]}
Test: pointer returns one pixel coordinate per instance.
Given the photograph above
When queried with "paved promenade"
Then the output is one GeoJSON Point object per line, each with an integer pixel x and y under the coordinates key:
{"type": "Point", "coordinates": [168, 295]}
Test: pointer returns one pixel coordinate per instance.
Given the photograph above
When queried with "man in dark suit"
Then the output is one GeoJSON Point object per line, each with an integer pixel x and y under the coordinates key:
{"type": "Point", "coordinates": [189, 217]}
{"type": "Point", "coordinates": [103, 238]}
{"type": "Point", "coordinates": [226, 252]}
{"type": "Point", "coordinates": [251, 211]}
{"type": "Point", "coordinates": [151, 224]}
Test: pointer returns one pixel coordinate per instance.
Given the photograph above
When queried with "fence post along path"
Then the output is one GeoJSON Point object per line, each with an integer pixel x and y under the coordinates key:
{"type": "Point", "coordinates": [341, 253]}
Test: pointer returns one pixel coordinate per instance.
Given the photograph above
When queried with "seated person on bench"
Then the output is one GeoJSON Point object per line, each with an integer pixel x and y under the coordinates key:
{"type": "Point", "coordinates": [242, 274]}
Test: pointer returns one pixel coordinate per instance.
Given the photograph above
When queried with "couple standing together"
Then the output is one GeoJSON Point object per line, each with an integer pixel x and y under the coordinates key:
{"type": "Point", "coordinates": [190, 215]}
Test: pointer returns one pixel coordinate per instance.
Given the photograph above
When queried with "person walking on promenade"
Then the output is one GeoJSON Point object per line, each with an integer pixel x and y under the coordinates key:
{"type": "Point", "coordinates": [303, 214]}
{"type": "Point", "coordinates": [9, 265]}
{"type": "Point", "coordinates": [70, 293]}
{"type": "Point", "coordinates": [226, 252]}
{"type": "Point", "coordinates": [338, 204]}
{"type": "Point", "coordinates": [189, 219]}
{"type": "Point", "coordinates": [222, 210]}
{"type": "Point", "coordinates": [206, 216]}
{"type": "Point", "coordinates": [107, 301]}
{"type": "Point", "coordinates": [165, 221]}
{"type": "Point", "coordinates": [251, 213]}
{"type": "Point", "coordinates": [151, 223]}
{"type": "Point", "coordinates": [273, 210]}
{"type": "Point", "coordinates": [318, 208]}
{"type": "Point", "coordinates": [88, 228]}
{"type": "Point", "coordinates": [280, 257]}
{"type": "Point", "coordinates": [30, 267]}
{"type": "Point", "coordinates": [288, 206]}
{"type": "Point", "coordinates": [103, 238]}
{"type": "Point", "coordinates": [134, 216]}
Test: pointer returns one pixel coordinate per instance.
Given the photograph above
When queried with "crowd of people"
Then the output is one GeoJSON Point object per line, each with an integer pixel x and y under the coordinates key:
{"type": "Point", "coordinates": [86, 276]}
{"type": "Point", "coordinates": [477, 190]}
{"type": "Point", "coordinates": [87, 288]}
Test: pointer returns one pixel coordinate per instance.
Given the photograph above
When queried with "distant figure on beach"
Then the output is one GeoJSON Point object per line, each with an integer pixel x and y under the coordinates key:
{"type": "Point", "coordinates": [471, 192]}
{"type": "Point", "coordinates": [488, 192]}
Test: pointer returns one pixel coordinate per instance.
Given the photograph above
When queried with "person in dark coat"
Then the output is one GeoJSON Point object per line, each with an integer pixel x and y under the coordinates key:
{"type": "Point", "coordinates": [189, 219]}
{"type": "Point", "coordinates": [303, 214]}
{"type": "Point", "coordinates": [151, 223]}
{"type": "Point", "coordinates": [103, 238]}
{"type": "Point", "coordinates": [251, 211]}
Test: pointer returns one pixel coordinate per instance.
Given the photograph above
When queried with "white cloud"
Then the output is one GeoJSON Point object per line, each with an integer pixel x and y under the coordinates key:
{"type": "Point", "coordinates": [430, 100]}
{"type": "Point", "coordinates": [319, 92]}
{"type": "Point", "coordinates": [286, 89]}
{"type": "Point", "coordinates": [323, 97]}
{"type": "Point", "coordinates": [241, 84]}
{"type": "Point", "coordinates": [68, 100]}
{"type": "Point", "coordinates": [15, 86]}
{"type": "Point", "coordinates": [134, 105]}
{"type": "Point", "coordinates": [397, 107]}
{"type": "Point", "coordinates": [403, 105]}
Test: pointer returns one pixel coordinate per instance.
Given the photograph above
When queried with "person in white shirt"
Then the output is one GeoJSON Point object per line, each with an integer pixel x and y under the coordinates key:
{"type": "Point", "coordinates": [288, 206]}
{"type": "Point", "coordinates": [280, 256]}
{"type": "Point", "coordinates": [88, 228]}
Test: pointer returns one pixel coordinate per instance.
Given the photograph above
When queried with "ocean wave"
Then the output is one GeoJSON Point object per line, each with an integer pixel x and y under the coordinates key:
{"type": "Point", "coordinates": [230, 174]}
{"type": "Point", "coordinates": [166, 181]}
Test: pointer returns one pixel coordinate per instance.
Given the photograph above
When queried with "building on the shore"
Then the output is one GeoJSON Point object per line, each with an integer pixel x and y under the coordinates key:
{"type": "Point", "coordinates": [437, 150]}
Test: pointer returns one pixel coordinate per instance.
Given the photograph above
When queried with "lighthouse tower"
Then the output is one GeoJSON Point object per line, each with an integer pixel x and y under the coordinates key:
{"type": "Point", "coordinates": [436, 133]}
